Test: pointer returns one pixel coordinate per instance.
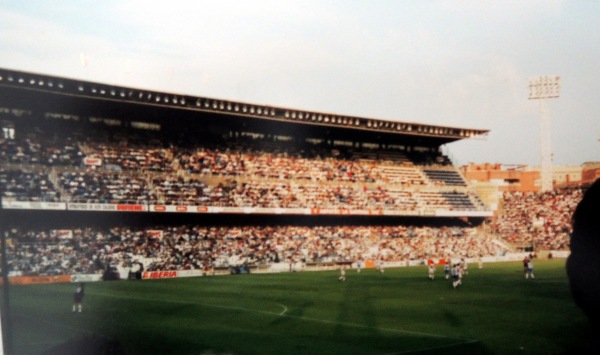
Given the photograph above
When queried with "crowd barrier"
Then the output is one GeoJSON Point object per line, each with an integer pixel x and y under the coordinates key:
{"type": "Point", "coordinates": [108, 207]}
{"type": "Point", "coordinates": [277, 268]}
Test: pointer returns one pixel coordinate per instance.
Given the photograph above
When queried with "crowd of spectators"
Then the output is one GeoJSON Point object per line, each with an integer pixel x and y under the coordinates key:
{"type": "Point", "coordinates": [114, 165]}
{"type": "Point", "coordinates": [126, 157]}
{"type": "Point", "coordinates": [111, 187]}
{"type": "Point", "coordinates": [539, 220]}
{"type": "Point", "coordinates": [28, 185]}
{"type": "Point", "coordinates": [148, 170]}
{"type": "Point", "coordinates": [186, 247]}
{"type": "Point", "coordinates": [40, 149]}
{"type": "Point", "coordinates": [105, 187]}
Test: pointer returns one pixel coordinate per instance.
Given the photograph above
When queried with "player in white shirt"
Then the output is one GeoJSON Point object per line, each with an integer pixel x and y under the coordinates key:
{"type": "Point", "coordinates": [431, 270]}
{"type": "Point", "coordinates": [456, 275]}
{"type": "Point", "coordinates": [464, 266]}
{"type": "Point", "coordinates": [381, 266]}
{"type": "Point", "coordinates": [342, 273]}
{"type": "Point", "coordinates": [529, 270]}
{"type": "Point", "coordinates": [447, 269]}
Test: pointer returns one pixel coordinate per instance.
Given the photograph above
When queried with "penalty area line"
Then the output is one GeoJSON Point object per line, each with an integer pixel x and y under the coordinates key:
{"type": "Point", "coordinates": [285, 309]}
{"type": "Point", "coordinates": [283, 314]}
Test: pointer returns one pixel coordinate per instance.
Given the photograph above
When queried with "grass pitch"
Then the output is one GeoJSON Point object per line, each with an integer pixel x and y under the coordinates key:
{"type": "Point", "coordinates": [495, 311]}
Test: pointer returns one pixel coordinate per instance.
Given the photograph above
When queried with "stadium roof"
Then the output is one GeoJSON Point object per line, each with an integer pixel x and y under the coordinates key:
{"type": "Point", "coordinates": [29, 90]}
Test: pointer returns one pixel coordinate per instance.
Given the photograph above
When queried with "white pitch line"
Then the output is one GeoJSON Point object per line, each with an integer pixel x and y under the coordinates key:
{"type": "Point", "coordinates": [282, 314]}
{"type": "Point", "coordinates": [285, 309]}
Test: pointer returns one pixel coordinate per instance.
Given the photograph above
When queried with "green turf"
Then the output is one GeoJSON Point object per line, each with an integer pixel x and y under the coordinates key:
{"type": "Point", "coordinates": [495, 311]}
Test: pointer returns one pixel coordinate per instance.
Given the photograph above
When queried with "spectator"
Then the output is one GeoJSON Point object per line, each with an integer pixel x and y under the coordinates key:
{"type": "Point", "coordinates": [583, 265]}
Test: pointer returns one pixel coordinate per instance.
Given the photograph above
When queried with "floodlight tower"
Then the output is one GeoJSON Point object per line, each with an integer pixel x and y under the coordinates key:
{"type": "Point", "coordinates": [542, 88]}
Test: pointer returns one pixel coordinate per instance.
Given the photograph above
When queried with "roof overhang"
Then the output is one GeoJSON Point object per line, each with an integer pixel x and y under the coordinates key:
{"type": "Point", "coordinates": [22, 90]}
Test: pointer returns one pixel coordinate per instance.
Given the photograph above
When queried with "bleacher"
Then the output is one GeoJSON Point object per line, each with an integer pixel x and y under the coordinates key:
{"type": "Point", "coordinates": [89, 169]}
{"type": "Point", "coordinates": [27, 185]}
{"type": "Point", "coordinates": [444, 177]}
{"type": "Point", "coordinates": [118, 171]}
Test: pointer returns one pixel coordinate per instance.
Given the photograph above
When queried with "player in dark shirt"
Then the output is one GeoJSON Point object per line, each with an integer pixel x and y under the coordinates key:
{"type": "Point", "coordinates": [78, 298]}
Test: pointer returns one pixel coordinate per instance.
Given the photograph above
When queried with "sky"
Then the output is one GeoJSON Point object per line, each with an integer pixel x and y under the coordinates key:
{"type": "Point", "coordinates": [464, 63]}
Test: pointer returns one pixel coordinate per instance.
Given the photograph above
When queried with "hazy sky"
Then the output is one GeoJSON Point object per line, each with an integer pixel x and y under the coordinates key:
{"type": "Point", "coordinates": [455, 63]}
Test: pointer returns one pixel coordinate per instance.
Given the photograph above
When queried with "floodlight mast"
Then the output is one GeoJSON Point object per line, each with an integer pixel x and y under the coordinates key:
{"type": "Point", "coordinates": [542, 88]}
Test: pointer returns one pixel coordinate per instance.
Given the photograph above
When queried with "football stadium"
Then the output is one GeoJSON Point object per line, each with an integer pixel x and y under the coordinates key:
{"type": "Point", "coordinates": [136, 221]}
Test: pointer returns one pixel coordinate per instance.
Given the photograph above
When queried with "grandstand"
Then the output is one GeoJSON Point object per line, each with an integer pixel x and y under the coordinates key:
{"type": "Point", "coordinates": [107, 176]}
{"type": "Point", "coordinates": [91, 144]}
